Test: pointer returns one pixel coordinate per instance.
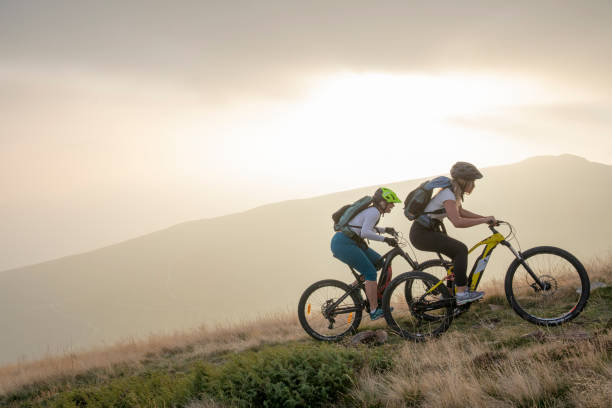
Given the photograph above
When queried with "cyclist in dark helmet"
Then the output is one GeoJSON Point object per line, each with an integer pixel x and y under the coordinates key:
{"type": "Point", "coordinates": [356, 253]}
{"type": "Point", "coordinates": [449, 201]}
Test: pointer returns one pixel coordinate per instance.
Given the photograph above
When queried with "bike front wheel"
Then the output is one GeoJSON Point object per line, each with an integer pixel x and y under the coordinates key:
{"type": "Point", "coordinates": [548, 287]}
{"type": "Point", "coordinates": [427, 312]}
{"type": "Point", "coordinates": [329, 309]}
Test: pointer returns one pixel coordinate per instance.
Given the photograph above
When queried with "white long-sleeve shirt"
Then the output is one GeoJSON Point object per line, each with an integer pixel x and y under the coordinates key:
{"type": "Point", "coordinates": [364, 224]}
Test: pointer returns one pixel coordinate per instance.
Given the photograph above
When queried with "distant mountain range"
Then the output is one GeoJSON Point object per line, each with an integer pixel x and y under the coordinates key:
{"type": "Point", "coordinates": [236, 267]}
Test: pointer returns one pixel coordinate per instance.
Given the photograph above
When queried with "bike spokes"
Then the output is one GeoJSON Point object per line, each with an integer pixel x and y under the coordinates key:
{"type": "Point", "coordinates": [328, 310]}
{"type": "Point", "coordinates": [548, 287]}
{"type": "Point", "coordinates": [417, 310]}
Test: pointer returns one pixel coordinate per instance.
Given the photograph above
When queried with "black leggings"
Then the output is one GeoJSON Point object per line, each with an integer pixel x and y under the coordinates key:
{"type": "Point", "coordinates": [425, 239]}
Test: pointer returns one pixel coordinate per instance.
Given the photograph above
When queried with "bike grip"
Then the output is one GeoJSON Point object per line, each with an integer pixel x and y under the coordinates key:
{"type": "Point", "coordinates": [391, 242]}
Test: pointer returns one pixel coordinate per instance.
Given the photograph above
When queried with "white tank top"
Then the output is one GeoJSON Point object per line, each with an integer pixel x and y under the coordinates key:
{"type": "Point", "coordinates": [437, 203]}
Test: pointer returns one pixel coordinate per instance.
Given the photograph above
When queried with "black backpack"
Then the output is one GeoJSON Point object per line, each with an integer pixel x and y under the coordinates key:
{"type": "Point", "coordinates": [417, 199]}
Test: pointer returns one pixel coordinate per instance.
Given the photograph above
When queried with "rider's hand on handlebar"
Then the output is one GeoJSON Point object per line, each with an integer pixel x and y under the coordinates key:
{"type": "Point", "coordinates": [492, 221]}
{"type": "Point", "coordinates": [391, 242]}
{"type": "Point", "coordinates": [390, 231]}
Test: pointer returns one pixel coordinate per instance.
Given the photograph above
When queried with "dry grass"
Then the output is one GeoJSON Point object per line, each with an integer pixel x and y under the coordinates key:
{"type": "Point", "coordinates": [600, 269]}
{"type": "Point", "coordinates": [202, 341]}
{"type": "Point", "coordinates": [459, 371]}
{"type": "Point", "coordinates": [493, 287]}
{"type": "Point", "coordinates": [455, 370]}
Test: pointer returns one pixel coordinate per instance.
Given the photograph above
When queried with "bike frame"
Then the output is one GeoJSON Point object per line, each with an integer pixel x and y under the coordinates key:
{"type": "Point", "coordinates": [480, 264]}
{"type": "Point", "coordinates": [386, 258]}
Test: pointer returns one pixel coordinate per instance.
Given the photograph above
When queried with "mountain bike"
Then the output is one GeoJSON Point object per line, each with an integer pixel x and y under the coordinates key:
{"type": "Point", "coordinates": [330, 309]}
{"type": "Point", "coordinates": [544, 285]}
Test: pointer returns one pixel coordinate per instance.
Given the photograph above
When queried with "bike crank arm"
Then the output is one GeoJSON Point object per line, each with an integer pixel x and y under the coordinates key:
{"type": "Point", "coordinates": [425, 307]}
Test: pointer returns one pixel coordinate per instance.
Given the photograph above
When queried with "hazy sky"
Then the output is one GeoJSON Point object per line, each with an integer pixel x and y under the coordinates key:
{"type": "Point", "coordinates": [120, 118]}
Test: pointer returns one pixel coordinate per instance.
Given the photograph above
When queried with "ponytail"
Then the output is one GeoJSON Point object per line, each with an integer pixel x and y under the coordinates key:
{"type": "Point", "coordinates": [458, 186]}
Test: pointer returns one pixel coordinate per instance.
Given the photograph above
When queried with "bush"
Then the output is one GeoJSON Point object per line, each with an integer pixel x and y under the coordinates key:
{"type": "Point", "coordinates": [149, 389]}
{"type": "Point", "coordinates": [299, 376]}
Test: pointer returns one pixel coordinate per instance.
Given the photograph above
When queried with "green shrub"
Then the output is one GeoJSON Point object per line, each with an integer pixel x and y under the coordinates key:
{"type": "Point", "coordinates": [146, 390]}
{"type": "Point", "coordinates": [298, 376]}
{"type": "Point", "coordinates": [288, 376]}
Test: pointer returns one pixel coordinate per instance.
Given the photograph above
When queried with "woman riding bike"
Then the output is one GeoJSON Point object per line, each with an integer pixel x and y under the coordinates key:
{"type": "Point", "coordinates": [356, 253]}
{"type": "Point", "coordinates": [447, 203]}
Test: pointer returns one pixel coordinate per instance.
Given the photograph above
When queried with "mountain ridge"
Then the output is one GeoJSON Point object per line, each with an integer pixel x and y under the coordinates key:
{"type": "Point", "coordinates": [539, 158]}
{"type": "Point", "coordinates": [236, 267]}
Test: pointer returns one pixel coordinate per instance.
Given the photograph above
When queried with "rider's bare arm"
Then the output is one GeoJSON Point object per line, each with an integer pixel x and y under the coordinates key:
{"type": "Point", "coordinates": [468, 214]}
{"type": "Point", "coordinates": [459, 221]}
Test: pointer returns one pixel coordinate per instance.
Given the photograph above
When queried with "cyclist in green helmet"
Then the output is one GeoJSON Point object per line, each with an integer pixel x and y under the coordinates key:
{"type": "Point", "coordinates": [356, 253]}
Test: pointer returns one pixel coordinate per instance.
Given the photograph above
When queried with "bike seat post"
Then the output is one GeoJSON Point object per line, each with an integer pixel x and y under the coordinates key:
{"type": "Point", "coordinates": [355, 274]}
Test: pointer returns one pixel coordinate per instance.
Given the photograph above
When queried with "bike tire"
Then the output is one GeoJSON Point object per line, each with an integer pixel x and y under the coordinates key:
{"type": "Point", "coordinates": [566, 291]}
{"type": "Point", "coordinates": [402, 315]}
{"type": "Point", "coordinates": [311, 310]}
{"type": "Point", "coordinates": [433, 267]}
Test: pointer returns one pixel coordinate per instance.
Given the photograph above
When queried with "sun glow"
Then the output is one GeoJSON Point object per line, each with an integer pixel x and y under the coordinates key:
{"type": "Point", "coordinates": [382, 125]}
{"type": "Point", "coordinates": [420, 96]}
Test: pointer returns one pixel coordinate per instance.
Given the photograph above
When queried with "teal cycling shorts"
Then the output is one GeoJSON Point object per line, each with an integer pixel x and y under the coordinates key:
{"type": "Point", "coordinates": [346, 250]}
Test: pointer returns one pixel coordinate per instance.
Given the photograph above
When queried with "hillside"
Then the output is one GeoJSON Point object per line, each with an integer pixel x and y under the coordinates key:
{"type": "Point", "coordinates": [238, 267]}
{"type": "Point", "coordinates": [489, 357]}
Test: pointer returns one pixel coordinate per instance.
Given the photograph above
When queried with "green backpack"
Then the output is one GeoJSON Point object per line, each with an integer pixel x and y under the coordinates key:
{"type": "Point", "coordinates": [346, 213]}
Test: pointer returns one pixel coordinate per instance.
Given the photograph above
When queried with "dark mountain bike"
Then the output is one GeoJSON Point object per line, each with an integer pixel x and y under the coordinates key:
{"type": "Point", "coordinates": [544, 285]}
{"type": "Point", "coordinates": [330, 309]}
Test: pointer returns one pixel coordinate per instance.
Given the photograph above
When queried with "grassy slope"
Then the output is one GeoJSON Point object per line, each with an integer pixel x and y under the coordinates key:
{"type": "Point", "coordinates": [489, 357]}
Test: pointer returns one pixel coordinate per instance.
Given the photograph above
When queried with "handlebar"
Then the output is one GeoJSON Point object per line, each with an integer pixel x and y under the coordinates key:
{"type": "Point", "coordinates": [496, 224]}
{"type": "Point", "coordinates": [399, 237]}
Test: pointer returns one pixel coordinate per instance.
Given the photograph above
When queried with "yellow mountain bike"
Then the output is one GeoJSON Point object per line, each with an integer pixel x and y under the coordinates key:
{"type": "Point", "coordinates": [544, 285]}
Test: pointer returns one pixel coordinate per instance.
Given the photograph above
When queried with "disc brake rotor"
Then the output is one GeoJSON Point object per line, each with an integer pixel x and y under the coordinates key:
{"type": "Point", "coordinates": [549, 284]}
{"type": "Point", "coordinates": [325, 306]}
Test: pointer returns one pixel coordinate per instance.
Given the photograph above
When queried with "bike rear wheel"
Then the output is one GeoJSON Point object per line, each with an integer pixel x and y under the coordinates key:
{"type": "Point", "coordinates": [436, 268]}
{"type": "Point", "coordinates": [563, 290]}
{"type": "Point", "coordinates": [425, 313]}
{"type": "Point", "coordinates": [325, 320]}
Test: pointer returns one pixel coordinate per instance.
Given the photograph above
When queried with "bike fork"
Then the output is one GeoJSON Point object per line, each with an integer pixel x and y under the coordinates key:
{"type": "Point", "coordinates": [519, 256]}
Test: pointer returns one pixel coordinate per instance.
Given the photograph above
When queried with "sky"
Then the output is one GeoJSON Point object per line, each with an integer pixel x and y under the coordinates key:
{"type": "Point", "coordinates": [119, 118]}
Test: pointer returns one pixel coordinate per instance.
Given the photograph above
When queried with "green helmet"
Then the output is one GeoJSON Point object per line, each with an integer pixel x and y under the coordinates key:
{"type": "Point", "coordinates": [386, 194]}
